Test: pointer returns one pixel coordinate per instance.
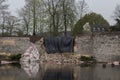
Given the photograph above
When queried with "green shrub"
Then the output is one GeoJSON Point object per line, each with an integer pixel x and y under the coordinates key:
{"type": "Point", "coordinates": [15, 57]}
{"type": "Point", "coordinates": [86, 58]}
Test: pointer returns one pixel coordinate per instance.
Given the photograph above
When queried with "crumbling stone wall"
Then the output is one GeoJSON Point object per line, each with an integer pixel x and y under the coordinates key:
{"type": "Point", "coordinates": [105, 47]}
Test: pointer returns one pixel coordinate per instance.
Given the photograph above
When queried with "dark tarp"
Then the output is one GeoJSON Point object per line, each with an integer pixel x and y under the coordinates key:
{"type": "Point", "coordinates": [66, 44]}
{"type": "Point", "coordinates": [59, 44]}
{"type": "Point", "coordinates": [51, 44]}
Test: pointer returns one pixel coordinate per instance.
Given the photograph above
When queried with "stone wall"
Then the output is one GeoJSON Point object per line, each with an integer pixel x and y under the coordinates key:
{"type": "Point", "coordinates": [105, 47]}
{"type": "Point", "coordinates": [84, 44]}
{"type": "Point", "coordinates": [14, 45]}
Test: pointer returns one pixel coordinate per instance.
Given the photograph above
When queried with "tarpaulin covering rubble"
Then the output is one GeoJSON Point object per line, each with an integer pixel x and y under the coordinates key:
{"type": "Point", "coordinates": [59, 44]}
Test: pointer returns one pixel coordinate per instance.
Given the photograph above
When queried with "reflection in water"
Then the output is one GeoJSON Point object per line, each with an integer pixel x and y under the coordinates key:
{"type": "Point", "coordinates": [59, 72]}
{"type": "Point", "coordinates": [36, 71]}
{"type": "Point", "coordinates": [31, 68]}
{"type": "Point", "coordinates": [31, 54]}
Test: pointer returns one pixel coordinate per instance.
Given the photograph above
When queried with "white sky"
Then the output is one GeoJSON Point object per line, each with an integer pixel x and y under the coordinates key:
{"type": "Point", "coordinates": [103, 7]}
{"type": "Point", "coordinates": [14, 5]}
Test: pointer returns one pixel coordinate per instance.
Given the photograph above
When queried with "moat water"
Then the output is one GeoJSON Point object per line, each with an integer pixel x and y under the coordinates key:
{"type": "Point", "coordinates": [36, 71]}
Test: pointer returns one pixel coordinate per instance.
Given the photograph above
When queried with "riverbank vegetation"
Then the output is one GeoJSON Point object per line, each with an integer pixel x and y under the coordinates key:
{"type": "Point", "coordinates": [10, 57]}
{"type": "Point", "coordinates": [87, 58]}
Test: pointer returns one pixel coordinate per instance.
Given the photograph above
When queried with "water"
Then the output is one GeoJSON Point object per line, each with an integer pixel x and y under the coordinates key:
{"type": "Point", "coordinates": [35, 71]}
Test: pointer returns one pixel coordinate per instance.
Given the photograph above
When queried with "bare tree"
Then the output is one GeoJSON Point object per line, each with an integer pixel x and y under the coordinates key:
{"type": "Point", "coordinates": [52, 8]}
{"type": "Point", "coordinates": [25, 15]}
{"type": "Point", "coordinates": [12, 23]}
{"type": "Point", "coordinates": [117, 15]}
{"type": "Point", "coordinates": [81, 8]}
{"type": "Point", "coordinates": [60, 14]}
{"type": "Point", "coordinates": [3, 14]}
{"type": "Point", "coordinates": [3, 6]}
{"type": "Point", "coordinates": [68, 9]}
{"type": "Point", "coordinates": [30, 15]}
{"type": "Point", "coordinates": [51, 16]}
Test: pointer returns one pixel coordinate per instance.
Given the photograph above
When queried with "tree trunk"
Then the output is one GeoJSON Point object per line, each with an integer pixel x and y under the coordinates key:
{"type": "Point", "coordinates": [64, 16]}
{"type": "Point", "coordinates": [34, 18]}
{"type": "Point", "coordinates": [3, 26]}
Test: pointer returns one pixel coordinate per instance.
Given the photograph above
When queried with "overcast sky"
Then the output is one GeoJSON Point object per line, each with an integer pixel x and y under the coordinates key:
{"type": "Point", "coordinates": [14, 5]}
{"type": "Point", "coordinates": [103, 7]}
